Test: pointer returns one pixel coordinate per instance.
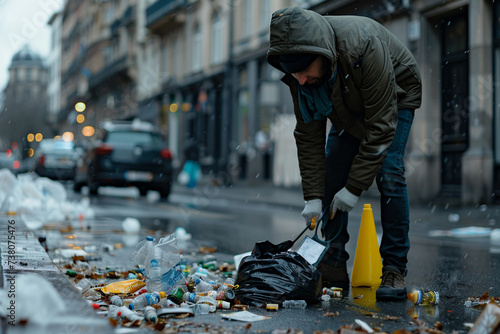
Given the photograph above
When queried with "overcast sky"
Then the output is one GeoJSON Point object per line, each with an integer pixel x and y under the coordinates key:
{"type": "Point", "coordinates": [24, 22]}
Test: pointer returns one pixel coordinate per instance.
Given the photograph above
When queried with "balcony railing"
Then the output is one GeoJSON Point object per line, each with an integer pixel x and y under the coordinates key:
{"type": "Point", "coordinates": [115, 25]}
{"type": "Point", "coordinates": [127, 16]}
{"type": "Point", "coordinates": [108, 72]}
{"type": "Point", "coordinates": [162, 8]}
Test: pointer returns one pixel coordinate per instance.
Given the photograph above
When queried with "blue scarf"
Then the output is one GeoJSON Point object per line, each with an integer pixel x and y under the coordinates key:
{"type": "Point", "coordinates": [314, 102]}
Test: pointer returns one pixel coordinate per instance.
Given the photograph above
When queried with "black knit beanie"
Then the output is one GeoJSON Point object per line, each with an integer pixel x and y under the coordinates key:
{"type": "Point", "coordinates": [294, 63]}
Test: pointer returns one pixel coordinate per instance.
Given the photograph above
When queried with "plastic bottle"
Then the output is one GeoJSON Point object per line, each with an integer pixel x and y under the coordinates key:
{"type": "Point", "coordinates": [84, 285]}
{"type": "Point", "coordinates": [146, 299]}
{"type": "Point", "coordinates": [333, 292]}
{"type": "Point", "coordinates": [421, 297]}
{"type": "Point", "coordinates": [211, 294]}
{"type": "Point", "coordinates": [113, 311]}
{"type": "Point", "coordinates": [202, 286]}
{"type": "Point", "coordinates": [116, 300]}
{"type": "Point", "coordinates": [223, 305]}
{"type": "Point", "coordinates": [129, 314]}
{"type": "Point", "coordinates": [153, 282]}
{"type": "Point", "coordinates": [150, 314]}
{"type": "Point", "coordinates": [142, 250]}
{"type": "Point", "coordinates": [294, 304]}
{"type": "Point", "coordinates": [191, 297]}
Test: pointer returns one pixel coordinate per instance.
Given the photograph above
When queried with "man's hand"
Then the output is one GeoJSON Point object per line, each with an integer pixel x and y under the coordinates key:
{"type": "Point", "coordinates": [344, 200]}
{"type": "Point", "coordinates": [312, 210]}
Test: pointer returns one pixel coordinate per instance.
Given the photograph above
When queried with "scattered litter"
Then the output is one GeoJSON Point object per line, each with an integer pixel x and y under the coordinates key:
{"type": "Point", "coordinates": [36, 300]}
{"type": "Point", "coordinates": [364, 325]}
{"type": "Point", "coordinates": [165, 312]}
{"type": "Point", "coordinates": [481, 301]}
{"type": "Point", "coordinates": [128, 286]}
{"type": "Point", "coordinates": [331, 314]}
{"type": "Point", "coordinates": [69, 253]}
{"type": "Point", "coordinates": [244, 316]}
{"type": "Point", "coordinates": [272, 307]}
{"type": "Point", "coordinates": [488, 321]}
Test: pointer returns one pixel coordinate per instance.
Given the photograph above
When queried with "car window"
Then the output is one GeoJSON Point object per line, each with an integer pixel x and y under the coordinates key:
{"type": "Point", "coordinates": [134, 138]}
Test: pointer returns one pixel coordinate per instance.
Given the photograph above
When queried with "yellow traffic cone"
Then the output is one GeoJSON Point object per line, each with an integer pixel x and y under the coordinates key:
{"type": "Point", "coordinates": [367, 268]}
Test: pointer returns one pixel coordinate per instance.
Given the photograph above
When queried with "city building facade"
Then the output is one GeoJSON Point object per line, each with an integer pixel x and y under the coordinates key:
{"type": "Point", "coordinates": [197, 69]}
{"type": "Point", "coordinates": [25, 94]}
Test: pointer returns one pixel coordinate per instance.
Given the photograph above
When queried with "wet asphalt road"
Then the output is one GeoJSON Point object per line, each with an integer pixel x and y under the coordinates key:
{"type": "Point", "coordinates": [233, 222]}
{"type": "Point", "coordinates": [455, 267]}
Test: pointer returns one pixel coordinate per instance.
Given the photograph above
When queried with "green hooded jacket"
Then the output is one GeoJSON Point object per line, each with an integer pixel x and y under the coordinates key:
{"type": "Point", "coordinates": [376, 76]}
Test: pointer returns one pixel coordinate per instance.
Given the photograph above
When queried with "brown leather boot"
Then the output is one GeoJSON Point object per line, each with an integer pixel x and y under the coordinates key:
{"type": "Point", "coordinates": [393, 285]}
{"type": "Point", "coordinates": [334, 276]}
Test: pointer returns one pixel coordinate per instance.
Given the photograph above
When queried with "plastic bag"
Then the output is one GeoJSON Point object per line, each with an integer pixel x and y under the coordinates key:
{"type": "Point", "coordinates": [272, 275]}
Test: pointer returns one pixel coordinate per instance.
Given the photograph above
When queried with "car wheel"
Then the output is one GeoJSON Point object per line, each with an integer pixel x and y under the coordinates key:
{"type": "Point", "coordinates": [77, 187]}
{"type": "Point", "coordinates": [92, 184]}
{"type": "Point", "coordinates": [164, 192]}
{"type": "Point", "coordinates": [93, 189]}
{"type": "Point", "coordinates": [143, 191]}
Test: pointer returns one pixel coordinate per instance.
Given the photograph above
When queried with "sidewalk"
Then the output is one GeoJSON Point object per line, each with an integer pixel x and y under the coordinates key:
{"type": "Point", "coordinates": [21, 254]}
{"type": "Point", "coordinates": [440, 213]}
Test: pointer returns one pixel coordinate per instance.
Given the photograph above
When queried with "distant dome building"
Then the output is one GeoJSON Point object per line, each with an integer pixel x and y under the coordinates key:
{"type": "Point", "coordinates": [25, 105]}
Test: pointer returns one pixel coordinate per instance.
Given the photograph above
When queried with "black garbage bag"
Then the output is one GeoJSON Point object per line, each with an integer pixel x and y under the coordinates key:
{"type": "Point", "coordinates": [272, 274]}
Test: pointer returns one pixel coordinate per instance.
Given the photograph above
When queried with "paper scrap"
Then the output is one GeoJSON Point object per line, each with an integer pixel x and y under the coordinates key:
{"type": "Point", "coordinates": [311, 250]}
{"type": "Point", "coordinates": [244, 316]}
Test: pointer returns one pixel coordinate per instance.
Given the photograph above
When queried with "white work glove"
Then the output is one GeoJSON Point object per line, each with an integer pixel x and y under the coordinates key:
{"type": "Point", "coordinates": [344, 200]}
{"type": "Point", "coordinates": [312, 210]}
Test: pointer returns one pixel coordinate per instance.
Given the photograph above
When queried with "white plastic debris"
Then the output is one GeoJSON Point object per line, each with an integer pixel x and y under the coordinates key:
{"type": "Point", "coordinates": [7, 183]}
{"type": "Point", "coordinates": [69, 253]}
{"type": "Point", "coordinates": [131, 225]}
{"type": "Point", "coordinates": [37, 299]}
{"type": "Point", "coordinates": [181, 234]}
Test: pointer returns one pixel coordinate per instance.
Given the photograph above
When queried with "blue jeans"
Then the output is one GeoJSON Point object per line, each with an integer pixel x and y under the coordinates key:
{"type": "Point", "coordinates": [395, 214]}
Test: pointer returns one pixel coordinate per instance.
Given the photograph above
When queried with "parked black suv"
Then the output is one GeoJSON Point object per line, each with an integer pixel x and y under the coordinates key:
{"type": "Point", "coordinates": [126, 154]}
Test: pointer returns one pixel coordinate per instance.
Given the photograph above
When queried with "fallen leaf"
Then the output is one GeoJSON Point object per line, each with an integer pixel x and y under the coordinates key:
{"type": "Point", "coordinates": [331, 314]}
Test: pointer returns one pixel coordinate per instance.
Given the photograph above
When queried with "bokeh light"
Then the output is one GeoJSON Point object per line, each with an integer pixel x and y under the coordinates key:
{"type": "Point", "coordinates": [80, 118]}
{"type": "Point", "coordinates": [31, 152]}
{"type": "Point", "coordinates": [8, 153]}
{"type": "Point", "coordinates": [80, 106]}
{"type": "Point", "coordinates": [30, 137]}
{"type": "Point", "coordinates": [38, 137]}
{"type": "Point", "coordinates": [88, 131]}
{"type": "Point", "coordinates": [68, 136]}
{"type": "Point", "coordinates": [174, 107]}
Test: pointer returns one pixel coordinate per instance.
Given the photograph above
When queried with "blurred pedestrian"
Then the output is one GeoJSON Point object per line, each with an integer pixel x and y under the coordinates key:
{"type": "Point", "coordinates": [191, 170]}
{"type": "Point", "coordinates": [355, 73]}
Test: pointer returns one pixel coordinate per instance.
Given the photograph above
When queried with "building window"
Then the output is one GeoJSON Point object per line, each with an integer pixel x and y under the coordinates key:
{"type": "Point", "coordinates": [265, 14]}
{"type": "Point", "coordinates": [109, 13]}
{"type": "Point", "coordinates": [176, 50]}
{"type": "Point", "coordinates": [197, 44]}
{"type": "Point", "coordinates": [217, 29]}
{"type": "Point", "coordinates": [454, 97]}
{"type": "Point", "coordinates": [247, 15]}
{"type": "Point", "coordinates": [108, 54]}
{"type": "Point", "coordinates": [164, 61]}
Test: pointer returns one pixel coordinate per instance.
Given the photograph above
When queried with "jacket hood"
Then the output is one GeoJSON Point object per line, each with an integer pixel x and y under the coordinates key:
{"type": "Point", "coordinates": [295, 30]}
